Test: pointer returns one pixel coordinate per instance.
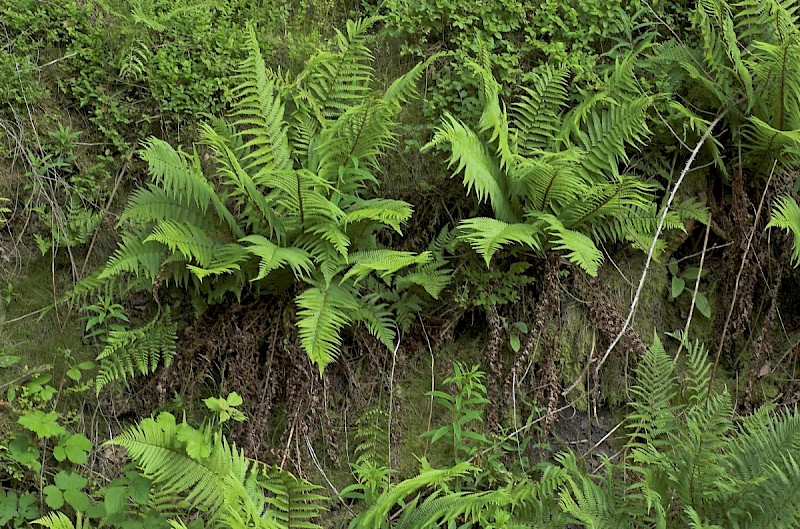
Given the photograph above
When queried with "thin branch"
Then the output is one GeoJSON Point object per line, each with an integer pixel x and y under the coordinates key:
{"type": "Point", "coordinates": [634, 304]}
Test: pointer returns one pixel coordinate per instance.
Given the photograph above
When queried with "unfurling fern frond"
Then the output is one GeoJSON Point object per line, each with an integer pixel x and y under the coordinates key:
{"type": "Point", "coordinates": [139, 350]}
{"type": "Point", "coordinates": [786, 215]}
{"type": "Point", "coordinates": [487, 236]}
{"type": "Point", "coordinates": [324, 311]}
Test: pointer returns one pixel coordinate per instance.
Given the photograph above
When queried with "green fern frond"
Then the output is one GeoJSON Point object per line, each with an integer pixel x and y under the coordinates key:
{"type": "Point", "coordinates": [274, 257]}
{"type": "Point", "coordinates": [432, 277]}
{"type": "Point", "coordinates": [153, 204]}
{"type": "Point", "coordinates": [295, 502]}
{"type": "Point", "coordinates": [404, 88]}
{"type": "Point", "coordinates": [581, 250]}
{"type": "Point", "coordinates": [392, 213]}
{"type": "Point", "coordinates": [134, 256]}
{"type": "Point", "coordinates": [323, 314]}
{"type": "Point", "coordinates": [162, 458]}
{"type": "Point", "coordinates": [548, 181]}
{"type": "Point", "coordinates": [537, 116]}
{"type": "Point", "coordinates": [140, 350]}
{"type": "Point", "coordinates": [59, 520]}
{"type": "Point", "coordinates": [481, 172]}
{"type": "Point", "coordinates": [384, 262]}
{"type": "Point", "coordinates": [334, 81]}
{"type": "Point", "coordinates": [786, 215]}
{"type": "Point", "coordinates": [378, 320]}
{"type": "Point", "coordinates": [259, 114]}
{"type": "Point", "coordinates": [487, 236]}
{"type": "Point", "coordinates": [191, 242]}
{"type": "Point", "coordinates": [225, 260]}
{"type": "Point", "coordinates": [608, 133]}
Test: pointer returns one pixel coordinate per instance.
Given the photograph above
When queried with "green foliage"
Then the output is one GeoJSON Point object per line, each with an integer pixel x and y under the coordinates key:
{"type": "Point", "coordinates": [140, 350]}
{"type": "Point", "coordinates": [292, 172]}
{"type": "Point", "coordinates": [553, 179]}
{"type": "Point", "coordinates": [680, 285]}
{"type": "Point", "coordinates": [786, 215]}
{"type": "Point", "coordinates": [221, 485]}
{"type": "Point", "coordinates": [466, 408]}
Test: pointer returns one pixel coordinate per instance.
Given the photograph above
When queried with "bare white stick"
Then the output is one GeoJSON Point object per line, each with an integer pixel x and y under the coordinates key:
{"type": "Point", "coordinates": [661, 220]}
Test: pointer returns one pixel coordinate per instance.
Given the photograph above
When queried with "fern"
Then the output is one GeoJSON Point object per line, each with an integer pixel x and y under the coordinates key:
{"type": "Point", "coordinates": [289, 190]}
{"type": "Point", "coordinates": [140, 350]}
{"type": "Point", "coordinates": [487, 236]}
{"type": "Point", "coordinates": [786, 215]}
{"type": "Point", "coordinates": [324, 311]}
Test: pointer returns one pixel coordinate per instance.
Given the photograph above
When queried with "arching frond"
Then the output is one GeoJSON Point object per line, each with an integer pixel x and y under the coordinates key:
{"type": "Point", "coordinates": [136, 351]}
{"type": "Point", "coordinates": [274, 257]}
{"type": "Point", "coordinates": [580, 248]}
{"type": "Point", "coordinates": [324, 311]}
{"type": "Point", "coordinates": [259, 114]}
{"type": "Point", "coordinates": [537, 116]}
{"type": "Point", "coordinates": [384, 262]}
{"type": "Point", "coordinates": [481, 172]}
{"type": "Point", "coordinates": [786, 215]}
{"type": "Point", "coordinates": [487, 236]}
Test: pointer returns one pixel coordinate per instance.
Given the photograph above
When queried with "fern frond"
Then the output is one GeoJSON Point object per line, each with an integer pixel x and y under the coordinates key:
{"type": "Point", "coordinates": [608, 133]}
{"type": "Point", "coordinates": [392, 213]}
{"type": "Point", "coordinates": [581, 250]}
{"type": "Point", "coordinates": [487, 236]}
{"type": "Point", "coordinates": [295, 502]}
{"type": "Point", "coordinates": [323, 314]}
{"type": "Point", "coordinates": [384, 262]}
{"type": "Point", "coordinates": [334, 81]}
{"type": "Point", "coordinates": [378, 320]}
{"type": "Point", "coordinates": [203, 483]}
{"type": "Point", "coordinates": [192, 242]}
{"type": "Point", "coordinates": [134, 256]}
{"type": "Point", "coordinates": [140, 350]}
{"type": "Point", "coordinates": [786, 215]}
{"type": "Point", "coordinates": [59, 520]}
{"type": "Point", "coordinates": [537, 116]}
{"type": "Point", "coordinates": [274, 257]}
{"type": "Point", "coordinates": [259, 114]}
{"type": "Point", "coordinates": [481, 172]}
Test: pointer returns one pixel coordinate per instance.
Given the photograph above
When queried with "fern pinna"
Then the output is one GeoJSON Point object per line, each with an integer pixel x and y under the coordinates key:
{"type": "Point", "coordinates": [287, 201]}
{"type": "Point", "coordinates": [552, 175]}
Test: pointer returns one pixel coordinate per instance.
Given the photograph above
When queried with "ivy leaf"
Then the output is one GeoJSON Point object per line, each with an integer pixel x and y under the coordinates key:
{"type": "Point", "coordinates": [43, 424]}
{"type": "Point", "coordinates": [197, 445]}
{"type": "Point", "coordinates": [114, 499]}
{"type": "Point", "coordinates": [76, 448]}
{"type": "Point", "coordinates": [53, 497]}
{"type": "Point", "coordinates": [77, 499]}
{"type": "Point", "coordinates": [703, 305]}
{"type": "Point", "coordinates": [678, 284]}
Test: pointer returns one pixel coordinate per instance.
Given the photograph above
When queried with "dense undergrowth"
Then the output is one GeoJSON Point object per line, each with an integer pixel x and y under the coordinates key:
{"type": "Point", "coordinates": [305, 264]}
